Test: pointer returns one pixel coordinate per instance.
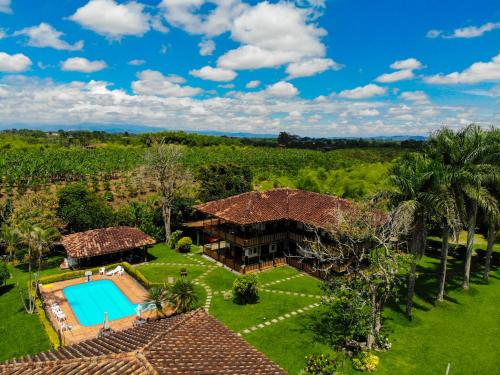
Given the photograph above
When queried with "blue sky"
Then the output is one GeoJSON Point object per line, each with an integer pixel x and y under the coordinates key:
{"type": "Point", "coordinates": [310, 67]}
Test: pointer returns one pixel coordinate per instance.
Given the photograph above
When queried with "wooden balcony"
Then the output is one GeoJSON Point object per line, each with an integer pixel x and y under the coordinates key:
{"type": "Point", "coordinates": [246, 242]}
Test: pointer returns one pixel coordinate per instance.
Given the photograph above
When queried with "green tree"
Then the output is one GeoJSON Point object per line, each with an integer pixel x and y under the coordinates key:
{"type": "Point", "coordinates": [10, 238]}
{"type": "Point", "coordinates": [82, 209]}
{"type": "Point", "coordinates": [4, 273]}
{"type": "Point", "coordinates": [219, 181]}
{"type": "Point", "coordinates": [245, 289]}
{"type": "Point", "coordinates": [412, 180]}
{"type": "Point", "coordinates": [183, 295]}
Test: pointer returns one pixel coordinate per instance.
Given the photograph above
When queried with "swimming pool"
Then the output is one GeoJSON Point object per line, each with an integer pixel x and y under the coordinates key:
{"type": "Point", "coordinates": [90, 300]}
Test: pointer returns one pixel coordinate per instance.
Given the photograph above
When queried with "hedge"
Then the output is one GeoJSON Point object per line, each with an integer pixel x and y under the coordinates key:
{"type": "Point", "coordinates": [47, 325]}
{"type": "Point", "coordinates": [73, 274]}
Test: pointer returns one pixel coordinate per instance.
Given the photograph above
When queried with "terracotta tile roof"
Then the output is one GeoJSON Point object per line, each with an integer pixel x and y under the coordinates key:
{"type": "Point", "coordinates": [193, 343]}
{"type": "Point", "coordinates": [277, 204]}
{"type": "Point", "coordinates": [104, 241]}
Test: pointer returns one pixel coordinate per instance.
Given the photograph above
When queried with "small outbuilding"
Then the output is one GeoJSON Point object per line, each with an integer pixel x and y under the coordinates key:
{"type": "Point", "coordinates": [113, 243]}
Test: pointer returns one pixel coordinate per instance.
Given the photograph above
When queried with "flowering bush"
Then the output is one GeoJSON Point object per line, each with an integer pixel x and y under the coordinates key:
{"type": "Point", "coordinates": [245, 289]}
{"type": "Point", "coordinates": [321, 364]}
{"type": "Point", "coordinates": [184, 245]}
{"type": "Point", "coordinates": [366, 362]}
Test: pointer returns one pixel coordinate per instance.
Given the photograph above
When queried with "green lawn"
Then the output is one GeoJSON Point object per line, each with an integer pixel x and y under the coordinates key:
{"type": "Point", "coordinates": [160, 273]}
{"type": "Point", "coordinates": [161, 253]}
{"type": "Point", "coordinates": [479, 241]}
{"type": "Point", "coordinates": [270, 306]}
{"type": "Point", "coordinates": [463, 331]}
{"type": "Point", "coordinates": [21, 333]}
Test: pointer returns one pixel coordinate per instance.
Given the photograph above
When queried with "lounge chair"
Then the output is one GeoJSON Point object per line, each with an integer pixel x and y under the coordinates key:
{"type": "Point", "coordinates": [114, 271]}
{"type": "Point", "coordinates": [60, 316]}
{"type": "Point", "coordinates": [102, 271]}
{"type": "Point", "coordinates": [66, 326]}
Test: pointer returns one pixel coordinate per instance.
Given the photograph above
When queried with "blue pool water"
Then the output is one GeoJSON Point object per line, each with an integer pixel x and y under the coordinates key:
{"type": "Point", "coordinates": [90, 300]}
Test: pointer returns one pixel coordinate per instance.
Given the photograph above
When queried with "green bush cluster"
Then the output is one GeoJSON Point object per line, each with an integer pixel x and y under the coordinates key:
{"type": "Point", "coordinates": [366, 362]}
{"type": "Point", "coordinates": [4, 273]}
{"type": "Point", "coordinates": [47, 325]}
{"type": "Point", "coordinates": [245, 289]}
{"type": "Point", "coordinates": [322, 364]}
{"type": "Point", "coordinates": [184, 245]}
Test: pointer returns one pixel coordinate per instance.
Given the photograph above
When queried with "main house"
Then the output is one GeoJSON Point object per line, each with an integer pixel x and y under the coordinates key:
{"type": "Point", "coordinates": [257, 230]}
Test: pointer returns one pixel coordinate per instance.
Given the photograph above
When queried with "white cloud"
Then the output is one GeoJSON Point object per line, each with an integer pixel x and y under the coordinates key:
{"type": "Point", "coordinates": [272, 35]}
{"type": "Point", "coordinates": [411, 63]}
{"type": "Point", "coordinates": [81, 64]}
{"type": "Point", "coordinates": [2, 34]}
{"type": "Point", "coordinates": [415, 96]}
{"type": "Point", "coordinates": [227, 86]}
{"type": "Point", "coordinates": [465, 32]}
{"type": "Point", "coordinates": [44, 35]}
{"type": "Point", "coordinates": [311, 67]}
{"type": "Point", "coordinates": [153, 83]}
{"type": "Point", "coordinates": [185, 14]}
{"type": "Point", "coordinates": [207, 47]}
{"type": "Point", "coordinates": [493, 92]}
{"type": "Point", "coordinates": [396, 76]}
{"type": "Point", "coordinates": [477, 72]}
{"type": "Point", "coordinates": [363, 92]}
{"type": "Point", "coordinates": [282, 89]}
{"type": "Point", "coordinates": [5, 6]}
{"type": "Point", "coordinates": [136, 62]}
{"type": "Point", "coordinates": [163, 49]}
{"type": "Point", "coordinates": [433, 34]}
{"type": "Point", "coordinates": [405, 71]}
{"type": "Point", "coordinates": [368, 112]}
{"type": "Point", "coordinates": [14, 63]}
{"type": "Point", "coordinates": [214, 74]}
{"type": "Point", "coordinates": [252, 84]}
{"type": "Point", "coordinates": [113, 20]}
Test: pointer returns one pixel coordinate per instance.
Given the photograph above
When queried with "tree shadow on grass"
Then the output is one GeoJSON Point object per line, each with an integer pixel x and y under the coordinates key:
{"type": "Point", "coordinates": [6, 288]}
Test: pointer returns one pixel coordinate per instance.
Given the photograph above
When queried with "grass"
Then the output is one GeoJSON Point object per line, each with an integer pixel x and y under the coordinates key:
{"type": "Point", "coordinates": [20, 332]}
{"type": "Point", "coordinates": [160, 273]}
{"type": "Point", "coordinates": [462, 331]}
{"type": "Point", "coordinates": [270, 306]}
{"type": "Point", "coordinates": [161, 253]}
{"type": "Point", "coordinates": [479, 241]}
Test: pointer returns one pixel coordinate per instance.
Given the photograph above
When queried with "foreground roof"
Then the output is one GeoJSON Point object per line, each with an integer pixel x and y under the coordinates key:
{"type": "Point", "coordinates": [278, 204]}
{"type": "Point", "coordinates": [192, 343]}
{"type": "Point", "coordinates": [105, 241]}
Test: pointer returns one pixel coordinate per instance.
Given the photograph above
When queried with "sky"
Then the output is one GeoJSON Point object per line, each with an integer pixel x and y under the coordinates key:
{"type": "Point", "coordinates": [325, 68]}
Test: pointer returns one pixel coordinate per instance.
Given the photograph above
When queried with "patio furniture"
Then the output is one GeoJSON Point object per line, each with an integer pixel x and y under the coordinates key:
{"type": "Point", "coordinates": [88, 274]}
{"type": "Point", "coordinates": [66, 327]}
{"type": "Point", "coordinates": [114, 271]}
{"type": "Point", "coordinates": [102, 271]}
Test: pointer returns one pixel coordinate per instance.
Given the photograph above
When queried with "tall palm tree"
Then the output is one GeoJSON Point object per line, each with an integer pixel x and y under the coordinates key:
{"type": "Point", "coordinates": [413, 180]}
{"type": "Point", "coordinates": [182, 295]}
{"type": "Point", "coordinates": [445, 208]}
{"type": "Point", "coordinates": [466, 160]}
{"type": "Point", "coordinates": [10, 237]}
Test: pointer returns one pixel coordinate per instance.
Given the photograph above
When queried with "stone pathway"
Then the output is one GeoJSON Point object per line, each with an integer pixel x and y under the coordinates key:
{"type": "Point", "coordinates": [290, 293]}
{"type": "Point", "coordinates": [282, 280]}
{"type": "Point", "coordinates": [280, 318]}
{"type": "Point", "coordinates": [205, 286]}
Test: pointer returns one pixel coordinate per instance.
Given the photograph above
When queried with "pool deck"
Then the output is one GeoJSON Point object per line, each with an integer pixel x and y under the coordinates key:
{"type": "Point", "coordinates": [53, 293]}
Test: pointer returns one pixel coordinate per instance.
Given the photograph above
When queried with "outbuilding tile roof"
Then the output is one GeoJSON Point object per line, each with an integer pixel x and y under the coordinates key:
{"type": "Point", "coordinates": [105, 241]}
{"type": "Point", "coordinates": [190, 344]}
{"type": "Point", "coordinates": [277, 204]}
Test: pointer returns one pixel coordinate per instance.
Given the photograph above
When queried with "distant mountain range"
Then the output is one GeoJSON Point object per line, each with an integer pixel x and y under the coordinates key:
{"type": "Point", "coordinates": [137, 129]}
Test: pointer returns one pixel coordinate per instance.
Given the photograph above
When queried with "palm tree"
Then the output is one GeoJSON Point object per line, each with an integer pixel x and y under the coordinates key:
{"type": "Point", "coordinates": [466, 161]}
{"type": "Point", "coordinates": [444, 207]}
{"type": "Point", "coordinates": [158, 295]}
{"type": "Point", "coordinates": [38, 242]}
{"type": "Point", "coordinates": [413, 181]}
{"type": "Point", "coordinates": [183, 295]}
{"type": "Point", "coordinates": [10, 237]}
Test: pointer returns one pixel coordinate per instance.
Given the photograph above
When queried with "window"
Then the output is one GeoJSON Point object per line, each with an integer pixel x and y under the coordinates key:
{"type": "Point", "coordinates": [252, 251]}
{"type": "Point", "coordinates": [273, 248]}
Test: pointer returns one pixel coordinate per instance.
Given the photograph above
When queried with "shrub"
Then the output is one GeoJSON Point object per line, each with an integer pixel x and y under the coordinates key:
{"type": "Point", "coordinates": [182, 295]}
{"type": "Point", "coordinates": [322, 364]}
{"type": "Point", "coordinates": [184, 245]}
{"type": "Point", "coordinates": [245, 289]}
{"type": "Point", "coordinates": [174, 238]}
{"type": "Point", "coordinates": [4, 273]}
{"type": "Point", "coordinates": [366, 362]}
{"type": "Point", "coordinates": [47, 325]}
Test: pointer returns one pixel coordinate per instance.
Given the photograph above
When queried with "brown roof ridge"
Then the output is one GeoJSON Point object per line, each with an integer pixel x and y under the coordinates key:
{"type": "Point", "coordinates": [185, 318]}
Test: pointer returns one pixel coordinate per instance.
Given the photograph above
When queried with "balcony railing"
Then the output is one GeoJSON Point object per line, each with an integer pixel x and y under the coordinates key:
{"type": "Point", "coordinates": [246, 242]}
